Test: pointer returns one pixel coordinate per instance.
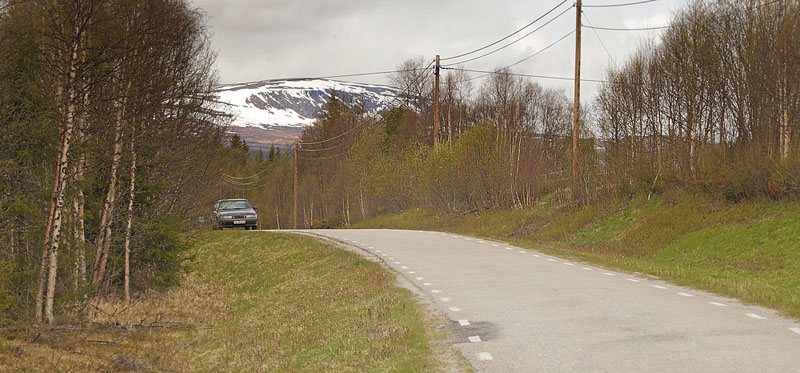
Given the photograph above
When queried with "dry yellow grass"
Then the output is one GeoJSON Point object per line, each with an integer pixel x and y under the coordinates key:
{"type": "Point", "coordinates": [256, 302]}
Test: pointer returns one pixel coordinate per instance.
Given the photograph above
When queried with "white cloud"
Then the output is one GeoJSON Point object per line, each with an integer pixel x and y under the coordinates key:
{"type": "Point", "coordinates": [265, 39]}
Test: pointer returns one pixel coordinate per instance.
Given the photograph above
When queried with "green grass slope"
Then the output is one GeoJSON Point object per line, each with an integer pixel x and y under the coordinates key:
{"type": "Point", "coordinates": [748, 250]}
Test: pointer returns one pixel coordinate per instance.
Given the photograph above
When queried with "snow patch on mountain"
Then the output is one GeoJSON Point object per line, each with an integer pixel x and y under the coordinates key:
{"type": "Point", "coordinates": [295, 102]}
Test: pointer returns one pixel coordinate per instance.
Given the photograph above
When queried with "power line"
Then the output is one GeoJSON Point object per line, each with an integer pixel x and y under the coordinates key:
{"type": "Point", "coordinates": [323, 149]}
{"type": "Point", "coordinates": [530, 75]}
{"type": "Point", "coordinates": [532, 55]}
{"type": "Point", "coordinates": [617, 5]}
{"type": "Point", "coordinates": [511, 43]}
{"type": "Point", "coordinates": [507, 36]}
{"type": "Point", "coordinates": [541, 50]}
{"type": "Point", "coordinates": [598, 37]}
{"type": "Point", "coordinates": [625, 29]}
{"type": "Point", "coordinates": [332, 138]}
{"type": "Point", "coordinates": [246, 177]}
{"type": "Point", "coordinates": [386, 72]}
{"type": "Point", "coordinates": [323, 158]}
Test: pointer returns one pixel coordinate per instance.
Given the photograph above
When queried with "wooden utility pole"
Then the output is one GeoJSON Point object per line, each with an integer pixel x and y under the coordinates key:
{"type": "Point", "coordinates": [576, 190]}
{"type": "Point", "coordinates": [296, 145]}
{"type": "Point", "coordinates": [436, 105]}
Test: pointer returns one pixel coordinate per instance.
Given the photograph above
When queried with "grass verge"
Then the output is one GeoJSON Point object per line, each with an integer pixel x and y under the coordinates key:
{"type": "Point", "coordinates": [748, 250]}
{"type": "Point", "coordinates": [255, 302]}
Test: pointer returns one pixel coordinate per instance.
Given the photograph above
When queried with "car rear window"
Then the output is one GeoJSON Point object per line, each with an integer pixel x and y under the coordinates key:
{"type": "Point", "coordinates": [234, 205]}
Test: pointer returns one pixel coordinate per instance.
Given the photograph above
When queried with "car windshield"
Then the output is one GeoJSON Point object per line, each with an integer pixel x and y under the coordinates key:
{"type": "Point", "coordinates": [234, 205]}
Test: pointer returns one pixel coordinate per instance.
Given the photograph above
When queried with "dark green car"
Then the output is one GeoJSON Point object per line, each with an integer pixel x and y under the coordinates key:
{"type": "Point", "coordinates": [234, 213]}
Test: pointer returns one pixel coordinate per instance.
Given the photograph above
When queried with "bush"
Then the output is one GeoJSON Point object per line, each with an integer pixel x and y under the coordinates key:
{"type": "Point", "coordinates": [162, 259]}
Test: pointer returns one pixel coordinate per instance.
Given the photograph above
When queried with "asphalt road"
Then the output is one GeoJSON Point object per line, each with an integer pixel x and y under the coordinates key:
{"type": "Point", "coordinates": [515, 310]}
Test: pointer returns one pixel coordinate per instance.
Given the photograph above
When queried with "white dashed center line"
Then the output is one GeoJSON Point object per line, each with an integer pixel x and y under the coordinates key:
{"type": "Point", "coordinates": [377, 251]}
{"type": "Point", "coordinates": [411, 272]}
{"type": "Point", "coordinates": [757, 317]}
{"type": "Point", "coordinates": [479, 241]}
{"type": "Point", "coordinates": [455, 309]}
{"type": "Point", "coordinates": [474, 339]}
{"type": "Point", "coordinates": [658, 286]}
{"type": "Point", "coordinates": [587, 268]}
{"type": "Point", "coordinates": [685, 295]}
{"type": "Point", "coordinates": [435, 291]}
{"type": "Point", "coordinates": [445, 299]}
{"type": "Point", "coordinates": [796, 330]}
{"type": "Point", "coordinates": [718, 304]}
{"type": "Point", "coordinates": [420, 278]}
{"type": "Point", "coordinates": [483, 356]}
{"type": "Point", "coordinates": [608, 273]}
{"type": "Point", "coordinates": [426, 284]}
{"type": "Point", "coordinates": [396, 262]}
{"type": "Point", "coordinates": [551, 260]}
{"type": "Point", "coordinates": [384, 254]}
{"type": "Point", "coordinates": [508, 248]}
{"type": "Point", "coordinates": [537, 255]}
{"type": "Point", "coordinates": [568, 264]}
{"type": "Point", "coordinates": [403, 267]}
{"type": "Point", "coordinates": [522, 251]}
{"type": "Point", "coordinates": [463, 322]}
{"type": "Point", "coordinates": [495, 245]}
{"type": "Point", "coordinates": [634, 280]}
{"type": "Point", "coordinates": [391, 258]}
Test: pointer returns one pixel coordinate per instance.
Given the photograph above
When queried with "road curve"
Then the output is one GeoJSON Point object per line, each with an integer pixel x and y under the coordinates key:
{"type": "Point", "coordinates": [516, 310]}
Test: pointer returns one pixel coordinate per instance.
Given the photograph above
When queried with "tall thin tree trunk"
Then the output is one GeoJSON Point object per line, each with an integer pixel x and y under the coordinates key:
{"type": "Point", "coordinates": [53, 233]}
{"type": "Point", "coordinates": [104, 237]}
{"type": "Point", "coordinates": [130, 218]}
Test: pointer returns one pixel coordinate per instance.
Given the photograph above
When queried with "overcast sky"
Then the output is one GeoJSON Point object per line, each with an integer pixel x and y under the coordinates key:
{"type": "Point", "coordinates": [270, 39]}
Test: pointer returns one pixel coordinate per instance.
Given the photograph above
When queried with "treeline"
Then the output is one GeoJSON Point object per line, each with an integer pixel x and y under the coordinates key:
{"type": "Point", "coordinates": [106, 146]}
{"type": "Point", "coordinates": [714, 104]}
{"type": "Point", "coordinates": [711, 108]}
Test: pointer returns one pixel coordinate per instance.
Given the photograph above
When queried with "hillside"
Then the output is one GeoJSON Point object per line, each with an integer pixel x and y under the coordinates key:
{"type": "Point", "coordinates": [276, 111]}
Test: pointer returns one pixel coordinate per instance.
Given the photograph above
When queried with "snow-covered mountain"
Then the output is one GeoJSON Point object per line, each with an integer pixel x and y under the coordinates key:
{"type": "Point", "coordinates": [276, 111]}
{"type": "Point", "coordinates": [295, 102]}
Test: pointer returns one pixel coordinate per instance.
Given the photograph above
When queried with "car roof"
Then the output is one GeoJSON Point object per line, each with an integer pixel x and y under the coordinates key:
{"type": "Point", "coordinates": [233, 199]}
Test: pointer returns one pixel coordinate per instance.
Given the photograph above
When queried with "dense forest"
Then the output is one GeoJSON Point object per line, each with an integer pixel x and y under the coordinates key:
{"type": "Point", "coordinates": [711, 107]}
{"type": "Point", "coordinates": [106, 143]}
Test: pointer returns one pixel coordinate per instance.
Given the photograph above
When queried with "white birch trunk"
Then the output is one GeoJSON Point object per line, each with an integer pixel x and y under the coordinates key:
{"type": "Point", "coordinates": [130, 218]}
